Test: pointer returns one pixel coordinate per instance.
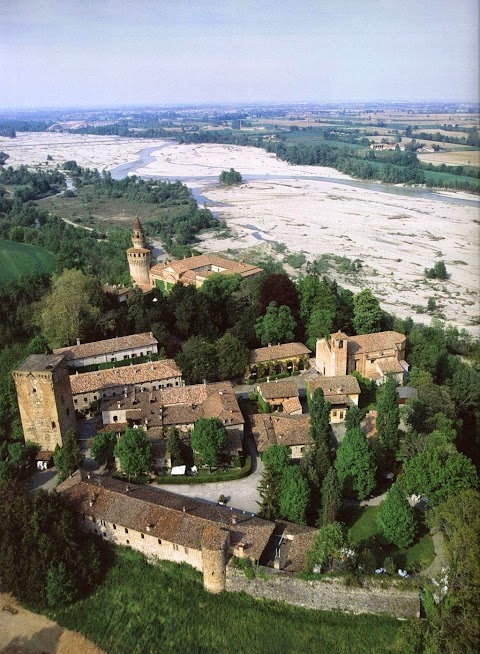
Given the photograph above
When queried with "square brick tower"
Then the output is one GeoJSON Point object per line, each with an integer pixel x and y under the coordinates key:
{"type": "Point", "coordinates": [45, 399]}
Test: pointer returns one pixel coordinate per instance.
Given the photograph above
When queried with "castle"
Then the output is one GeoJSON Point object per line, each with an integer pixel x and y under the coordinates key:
{"type": "Point", "coordinates": [192, 270]}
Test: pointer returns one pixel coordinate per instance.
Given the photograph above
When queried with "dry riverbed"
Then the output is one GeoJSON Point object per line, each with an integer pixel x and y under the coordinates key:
{"type": "Point", "coordinates": [395, 236]}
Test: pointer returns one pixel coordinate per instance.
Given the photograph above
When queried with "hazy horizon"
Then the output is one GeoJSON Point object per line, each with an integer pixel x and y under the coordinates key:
{"type": "Point", "coordinates": [61, 54]}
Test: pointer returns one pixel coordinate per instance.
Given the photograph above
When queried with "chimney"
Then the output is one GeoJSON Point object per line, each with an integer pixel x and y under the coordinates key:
{"type": "Point", "coordinates": [234, 518]}
{"type": "Point", "coordinates": [184, 509]}
{"type": "Point", "coordinates": [119, 404]}
{"type": "Point", "coordinates": [149, 528]}
{"type": "Point", "coordinates": [78, 341]}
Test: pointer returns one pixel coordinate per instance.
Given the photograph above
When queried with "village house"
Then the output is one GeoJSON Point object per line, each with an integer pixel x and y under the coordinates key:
{"type": "Point", "coordinates": [281, 429]}
{"type": "Point", "coordinates": [179, 407]}
{"type": "Point", "coordinates": [166, 526]}
{"type": "Point", "coordinates": [374, 356]}
{"type": "Point", "coordinates": [341, 392]}
{"type": "Point", "coordinates": [280, 395]}
{"type": "Point", "coordinates": [196, 269]}
{"type": "Point", "coordinates": [275, 359]}
{"type": "Point", "coordinates": [110, 350]}
{"type": "Point", "coordinates": [90, 387]}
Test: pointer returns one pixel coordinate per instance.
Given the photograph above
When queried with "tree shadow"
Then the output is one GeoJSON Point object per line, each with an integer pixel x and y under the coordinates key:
{"type": "Point", "coordinates": [44, 641]}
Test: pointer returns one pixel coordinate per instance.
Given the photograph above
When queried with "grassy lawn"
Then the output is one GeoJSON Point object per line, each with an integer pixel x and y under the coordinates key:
{"type": "Point", "coordinates": [363, 530]}
{"type": "Point", "coordinates": [143, 609]}
{"type": "Point", "coordinates": [17, 259]}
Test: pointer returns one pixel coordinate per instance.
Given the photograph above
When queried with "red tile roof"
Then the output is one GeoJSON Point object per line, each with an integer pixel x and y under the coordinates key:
{"type": "Point", "coordinates": [274, 352]}
{"type": "Point", "coordinates": [108, 346]}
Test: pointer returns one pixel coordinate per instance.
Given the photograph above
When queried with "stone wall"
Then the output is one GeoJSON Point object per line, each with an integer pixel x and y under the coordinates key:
{"type": "Point", "coordinates": [326, 595]}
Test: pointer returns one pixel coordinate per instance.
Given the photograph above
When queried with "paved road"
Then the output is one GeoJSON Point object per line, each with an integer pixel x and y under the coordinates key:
{"type": "Point", "coordinates": [242, 493]}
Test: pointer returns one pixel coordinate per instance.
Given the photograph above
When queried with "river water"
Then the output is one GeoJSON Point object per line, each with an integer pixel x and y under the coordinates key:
{"type": "Point", "coordinates": [145, 157]}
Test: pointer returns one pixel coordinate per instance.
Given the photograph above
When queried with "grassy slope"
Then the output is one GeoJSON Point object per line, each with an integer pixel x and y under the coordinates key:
{"type": "Point", "coordinates": [140, 609]}
{"type": "Point", "coordinates": [17, 259]}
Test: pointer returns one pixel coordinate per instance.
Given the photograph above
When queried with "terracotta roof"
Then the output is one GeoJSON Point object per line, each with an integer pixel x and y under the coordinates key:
{"type": "Point", "coordinates": [137, 224]}
{"type": "Point", "coordinates": [187, 270]}
{"type": "Point", "coordinates": [174, 518]}
{"type": "Point", "coordinates": [279, 429]}
{"type": "Point", "coordinates": [375, 342]}
{"type": "Point", "coordinates": [88, 382]}
{"type": "Point", "coordinates": [274, 352]}
{"type": "Point", "coordinates": [292, 405]}
{"type": "Point", "coordinates": [181, 405]}
{"type": "Point", "coordinates": [108, 346]}
{"type": "Point", "coordinates": [277, 389]}
{"type": "Point", "coordinates": [337, 385]}
{"type": "Point", "coordinates": [390, 365]}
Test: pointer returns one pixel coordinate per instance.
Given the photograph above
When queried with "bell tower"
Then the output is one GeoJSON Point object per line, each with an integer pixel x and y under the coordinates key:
{"type": "Point", "coordinates": [139, 257]}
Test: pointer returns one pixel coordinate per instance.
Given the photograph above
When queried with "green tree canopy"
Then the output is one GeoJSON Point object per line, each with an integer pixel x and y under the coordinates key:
{"type": "Point", "coordinates": [174, 445]}
{"type": "Point", "coordinates": [46, 560]}
{"type": "Point", "coordinates": [71, 309]}
{"type": "Point", "coordinates": [355, 464]}
{"type": "Point", "coordinates": [269, 491]}
{"type": "Point", "coordinates": [68, 457]}
{"type": "Point", "coordinates": [277, 458]}
{"type": "Point", "coordinates": [388, 417]}
{"type": "Point", "coordinates": [209, 437]}
{"type": "Point", "coordinates": [396, 518]}
{"type": "Point", "coordinates": [134, 452]}
{"type": "Point", "coordinates": [439, 474]}
{"type": "Point", "coordinates": [294, 495]}
{"type": "Point", "coordinates": [353, 417]}
{"type": "Point", "coordinates": [367, 313]}
{"type": "Point", "coordinates": [328, 543]}
{"type": "Point", "coordinates": [320, 430]}
{"type": "Point", "coordinates": [232, 357]}
{"type": "Point", "coordinates": [103, 446]}
{"type": "Point", "coordinates": [276, 326]}
{"type": "Point", "coordinates": [331, 498]}
{"type": "Point", "coordinates": [230, 177]}
{"type": "Point", "coordinates": [198, 360]}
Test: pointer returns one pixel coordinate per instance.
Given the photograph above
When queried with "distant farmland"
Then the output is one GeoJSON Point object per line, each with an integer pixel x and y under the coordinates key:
{"type": "Point", "coordinates": [17, 259]}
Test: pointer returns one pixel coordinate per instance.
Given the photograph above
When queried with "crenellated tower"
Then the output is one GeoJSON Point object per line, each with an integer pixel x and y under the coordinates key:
{"type": "Point", "coordinates": [139, 256]}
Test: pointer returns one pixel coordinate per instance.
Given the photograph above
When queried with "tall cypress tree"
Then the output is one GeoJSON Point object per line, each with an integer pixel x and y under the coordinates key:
{"type": "Point", "coordinates": [388, 417]}
{"type": "Point", "coordinates": [331, 498]}
{"type": "Point", "coordinates": [269, 491]}
{"type": "Point", "coordinates": [320, 418]}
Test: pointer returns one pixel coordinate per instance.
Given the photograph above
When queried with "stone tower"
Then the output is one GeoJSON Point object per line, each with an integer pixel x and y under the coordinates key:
{"type": "Point", "coordinates": [139, 257]}
{"type": "Point", "coordinates": [331, 356]}
{"type": "Point", "coordinates": [45, 399]}
{"type": "Point", "coordinates": [214, 551]}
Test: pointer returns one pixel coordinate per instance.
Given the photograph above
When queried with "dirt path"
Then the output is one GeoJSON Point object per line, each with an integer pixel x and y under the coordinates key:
{"type": "Point", "coordinates": [29, 633]}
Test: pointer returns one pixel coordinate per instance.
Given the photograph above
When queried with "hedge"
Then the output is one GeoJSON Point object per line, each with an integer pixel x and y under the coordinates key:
{"type": "Point", "coordinates": [205, 478]}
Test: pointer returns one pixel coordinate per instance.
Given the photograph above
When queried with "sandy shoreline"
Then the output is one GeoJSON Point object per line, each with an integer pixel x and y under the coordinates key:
{"type": "Point", "coordinates": [395, 236]}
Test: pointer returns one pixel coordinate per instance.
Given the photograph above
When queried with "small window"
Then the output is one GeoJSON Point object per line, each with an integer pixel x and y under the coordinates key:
{"type": "Point", "coordinates": [126, 530]}
{"type": "Point", "coordinates": [341, 415]}
{"type": "Point", "coordinates": [95, 397]}
{"type": "Point", "coordinates": [114, 526]}
{"type": "Point", "coordinates": [85, 399]}
{"type": "Point", "coordinates": [143, 535]}
{"type": "Point", "coordinates": [340, 345]}
{"type": "Point", "coordinates": [34, 390]}
{"type": "Point", "coordinates": [115, 418]}
{"type": "Point", "coordinates": [104, 534]}
{"type": "Point", "coordinates": [75, 401]}
{"type": "Point", "coordinates": [53, 425]}
{"type": "Point", "coordinates": [128, 542]}
{"type": "Point", "coordinates": [186, 550]}
{"type": "Point", "coordinates": [159, 541]}
{"type": "Point", "coordinates": [334, 413]}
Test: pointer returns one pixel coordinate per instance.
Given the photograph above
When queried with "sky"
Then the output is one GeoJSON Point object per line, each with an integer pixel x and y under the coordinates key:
{"type": "Point", "coordinates": [64, 53]}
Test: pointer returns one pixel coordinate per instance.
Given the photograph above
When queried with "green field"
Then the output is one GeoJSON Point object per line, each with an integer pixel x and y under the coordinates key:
{"type": "Point", "coordinates": [141, 609]}
{"type": "Point", "coordinates": [18, 259]}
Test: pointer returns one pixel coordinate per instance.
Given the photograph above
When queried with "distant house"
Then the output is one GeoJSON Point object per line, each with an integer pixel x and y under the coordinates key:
{"type": "Point", "coordinates": [195, 270]}
{"type": "Point", "coordinates": [280, 395]}
{"type": "Point", "coordinates": [88, 387]}
{"type": "Point", "coordinates": [375, 356]}
{"type": "Point", "coordinates": [275, 359]}
{"type": "Point", "coordinates": [341, 391]}
{"type": "Point", "coordinates": [110, 350]}
{"type": "Point", "coordinates": [281, 429]}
